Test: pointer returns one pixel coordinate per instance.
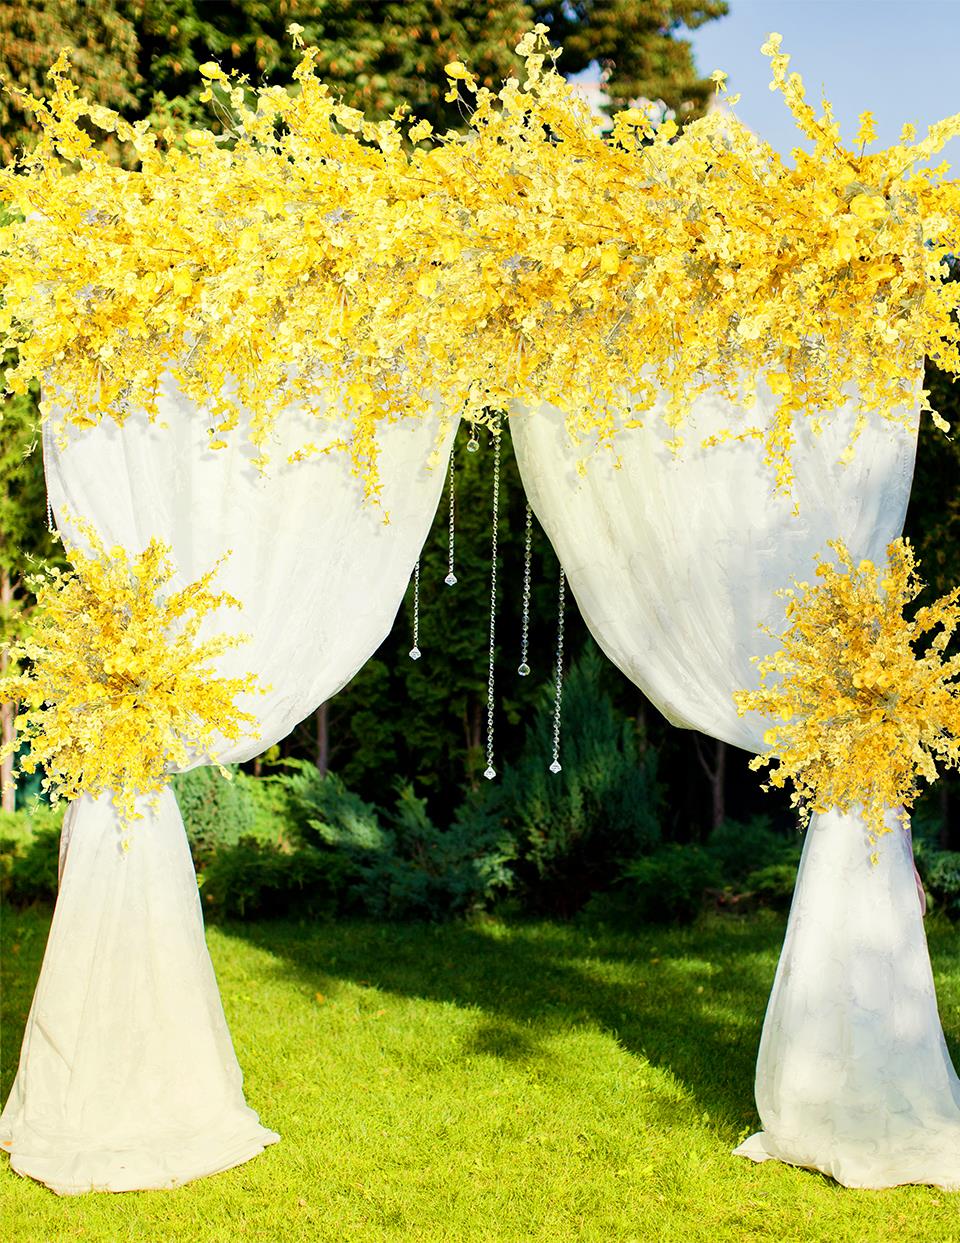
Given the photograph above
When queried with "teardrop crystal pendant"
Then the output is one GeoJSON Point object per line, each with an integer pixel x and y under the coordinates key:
{"type": "Point", "coordinates": [450, 579]}
{"type": "Point", "coordinates": [414, 653]}
{"type": "Point", "coordinates": [524, 670]}
{"type": "Point", "coordinates": [490, 772]}
{"type": "Point", "coordinates": [473, 444]}
{"type": "Point", "coordinates": [556, 766]}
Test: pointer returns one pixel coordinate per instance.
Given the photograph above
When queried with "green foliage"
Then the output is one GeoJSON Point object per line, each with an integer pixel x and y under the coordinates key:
{"type": "Point", "coordinates": [399, 864]}
{"type": "Point", "coordinates": [940, 872]}
{"type": "Point", "coordinates": [104, 50]}
{"type": "Point", "coordinates": [383, 53]}
{"type": "Point", "coordinates": [251, 879]}
{"type": "Point", "coordinates": [743, 850]}
{"type": "Point", "coordinates": [573, 828]}
{"type": "Point", "coordinates": [216, 812]}
{"type": "Point", "coordinates": [669, 886]}
{"type": "Point", "coordinates": [773, 885]}
{"type": "Point", "coordinates": [30, 854]}
{"type": "Point", "coordinates": [379, 54]}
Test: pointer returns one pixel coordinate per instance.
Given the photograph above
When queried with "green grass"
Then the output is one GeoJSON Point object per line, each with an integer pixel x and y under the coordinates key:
{"type": "Point", "coordinates": [489, 1081]}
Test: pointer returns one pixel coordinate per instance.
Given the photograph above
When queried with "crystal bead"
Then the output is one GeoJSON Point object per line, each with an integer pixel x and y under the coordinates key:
{"type": "Point", "coordinates": [490, 772]}
{"type": "Point", "coordinates": [473, 445]}
{"type": "Point", "coordinates": [524, 669]}
{"type": "Point", "coordinates": [555, 766]}
{"type": "Point", "coordinates": [450, 579]}
{"type": "Point", "coordinates": [414, 653]}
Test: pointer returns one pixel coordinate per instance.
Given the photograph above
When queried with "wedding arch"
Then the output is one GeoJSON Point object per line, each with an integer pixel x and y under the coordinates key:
{"type": "Point", "coordinates": [255, 349]}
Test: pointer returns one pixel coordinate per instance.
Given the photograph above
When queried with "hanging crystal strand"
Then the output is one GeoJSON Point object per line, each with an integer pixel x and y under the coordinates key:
{"type": "Point", "coordinates": [524, 668]}
{"type": "Point", "coordinates": [558, 678]}
{"type": "Point", "coordinates": [451, 577]}
{"type": "Point", "coordinates": [490, 772]}
{"type": "Point", "coordinates": [415, 652]}
{"type": "Point", "coordinates": [47, 454]}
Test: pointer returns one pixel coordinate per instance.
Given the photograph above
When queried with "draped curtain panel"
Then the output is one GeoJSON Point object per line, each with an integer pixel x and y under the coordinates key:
{"type": "Point", "coordinates": [675, 562]}
{"type": "Point", "coordinates": [128, 1077]}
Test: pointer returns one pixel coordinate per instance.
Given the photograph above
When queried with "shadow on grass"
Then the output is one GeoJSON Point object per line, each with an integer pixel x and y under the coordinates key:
{"type": "Point", "coordinates": [691, 1001]}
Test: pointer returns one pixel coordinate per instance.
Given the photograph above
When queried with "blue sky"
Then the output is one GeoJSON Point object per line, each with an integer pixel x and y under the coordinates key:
{"type": "Point", "coordinates": [900, 59]}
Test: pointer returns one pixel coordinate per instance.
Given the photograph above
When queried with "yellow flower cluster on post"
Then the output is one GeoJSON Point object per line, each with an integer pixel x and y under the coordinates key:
{"type": "Point", "coordinates": [306, 251]}
{"type": "Point", "coordinates": [866, 698]}
{"type": "Point", "coordinates": [115, 687]}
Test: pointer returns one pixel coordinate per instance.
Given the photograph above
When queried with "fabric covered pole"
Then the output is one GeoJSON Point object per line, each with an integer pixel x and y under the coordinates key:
{"type": "Point", "coordinates": [675, 562]}
{"type": "Point", "coordinates": [127, 1076]}
{"type": "Point", "coordinates": [853, 1075]}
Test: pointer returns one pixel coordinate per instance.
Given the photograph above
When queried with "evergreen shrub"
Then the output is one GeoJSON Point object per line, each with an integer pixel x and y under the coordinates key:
{"type": "Point", "coordinates": [398, 864]}
{"type": "Point", "coordinates": [668, 886]}
{"type": "Point", "coordinates": [940, 872]}
{"type": "Point", "coordinates": [216, 812]}
{"type": "Point", "coordinates": [574, 829]}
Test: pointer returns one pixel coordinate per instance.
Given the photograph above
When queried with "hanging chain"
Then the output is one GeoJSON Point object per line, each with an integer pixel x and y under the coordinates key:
{"type": "Point", "coordinates": [47, 465]}
{"type": "Point", "coordinates": [558, 678]}
{"type": "Point", "coordinates": [490, 772]}
{"type": "Point", "coordinates": [415, 652]}
{"type": "Point", "coordinates": [524, 668]}
{"type": "Point", "coordinates": [451, 577]}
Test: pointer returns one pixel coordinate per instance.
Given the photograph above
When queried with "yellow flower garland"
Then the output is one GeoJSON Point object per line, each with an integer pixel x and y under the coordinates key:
{"type": "Point", "coordinates": [117, 687]}
{"type": "Point", "coordinates": [867, 700]}
{"type": "Point", "coordinates": [305, 249]}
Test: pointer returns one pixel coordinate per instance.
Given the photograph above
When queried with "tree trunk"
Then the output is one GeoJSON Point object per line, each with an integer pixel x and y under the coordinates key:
{"type": "Point", "coordinates": [323, 740]}
{"type": "Point", "coordinates": [719, 802]}
{"type": "Point", "coordinates": [716, 774]}
{"type": "Point", "coordinates": [8, 711]}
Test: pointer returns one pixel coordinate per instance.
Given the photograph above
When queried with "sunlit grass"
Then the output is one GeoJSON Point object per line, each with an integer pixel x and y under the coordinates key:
{"type": "Point", "coordinates": [489, 1081]}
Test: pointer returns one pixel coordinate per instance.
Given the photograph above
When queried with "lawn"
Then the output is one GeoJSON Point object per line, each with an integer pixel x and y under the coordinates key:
{"type": "Point", "coordinates": [489, 1081]}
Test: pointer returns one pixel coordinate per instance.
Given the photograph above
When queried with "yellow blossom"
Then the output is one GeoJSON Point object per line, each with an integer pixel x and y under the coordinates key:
{"type": "Point", "coordinates": [867, 700]}
{"type": "Point", "coordinates": [113, 683]}
{"type": "Point", "coordinates": [312, 249]}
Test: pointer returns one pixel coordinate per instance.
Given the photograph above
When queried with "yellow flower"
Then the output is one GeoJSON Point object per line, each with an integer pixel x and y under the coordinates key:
{"type": "Point", "coordinates": [868, 701]}
{"type": "Point", "coordinates": [868, 206]}
{"type": "Point", "coordinates": [559, 265]}
{"type": "Point", "coordinates": [867, 129]}
{"type": "Point", "coordinates": [118, 686]}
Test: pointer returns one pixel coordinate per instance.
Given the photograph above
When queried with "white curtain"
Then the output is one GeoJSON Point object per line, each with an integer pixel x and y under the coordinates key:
{"type": "Point", "coordinates": [128, 1077]}
{"type": "Point", "coordinates": [674, 563]}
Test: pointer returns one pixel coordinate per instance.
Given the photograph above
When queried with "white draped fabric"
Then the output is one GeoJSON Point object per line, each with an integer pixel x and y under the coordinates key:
{"type": "Point", "coordinates": [128, 1077]}
{"type": "Point", "coordinates": [853, 1076]}
{"type": "Point", "coordinates": [674, 563]}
